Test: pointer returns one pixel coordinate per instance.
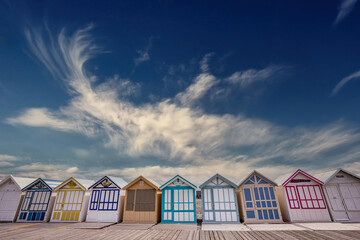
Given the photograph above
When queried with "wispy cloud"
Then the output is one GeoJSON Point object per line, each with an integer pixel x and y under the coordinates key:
{"type": "Point", "coordinates": [197, 90]}
{"type": "Point", "coordinates": [345, 8]}
{"type": "Point", "coordinates": [176, 131]}
{"type": "Point", "coordinates": [344, 81]}
{"type": "Point", "coordinates": [7, 160]}
{"type": "Point", "coordinates": [5, 157]}
{"type": "Point", "coordinates": [43, 117]}
{"type": "Point", "coordinates": [143, 54]}
{"type": "Point", "coordinates": [251, 76]}
{"type": "Point", "coordinates": [204, 63]}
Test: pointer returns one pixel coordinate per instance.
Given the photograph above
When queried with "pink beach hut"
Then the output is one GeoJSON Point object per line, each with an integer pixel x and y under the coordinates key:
{"type": "Point", "coordinates": [301, 198]}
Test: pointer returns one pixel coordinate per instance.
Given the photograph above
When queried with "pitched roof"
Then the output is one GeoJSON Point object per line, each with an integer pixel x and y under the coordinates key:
{"type": "Point", "coordinates": [83, 183]}
{"type": "Point", "coordinates": [50, 184]}
{"type": "Point", "coordinates": [327, 176]}
{"type": "Point", "coordinates": [119, 182]}
{"type": "Point", "coordinates": [221, 177]}
{"type": "Point", "coordinates": [147, 180]}
{"type": "Point", "coordinates": [285, 179]}
{"type": "Point", "coordinates": [20, 182]}
{"type": "Point", "coordinates": [177, 176]}
{"type": "Point", "coordinates": [244, 180]}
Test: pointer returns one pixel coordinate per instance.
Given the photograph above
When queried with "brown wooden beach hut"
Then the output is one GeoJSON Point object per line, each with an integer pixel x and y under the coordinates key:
{"type": "Point", "coordinates": [142, 201]}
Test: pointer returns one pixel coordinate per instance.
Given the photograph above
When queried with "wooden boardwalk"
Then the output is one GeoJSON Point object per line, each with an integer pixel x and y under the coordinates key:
{"type": "Point", "coordinates": [43, 231]}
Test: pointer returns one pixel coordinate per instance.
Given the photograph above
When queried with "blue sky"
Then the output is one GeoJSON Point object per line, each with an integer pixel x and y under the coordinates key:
{"type": "Point", "coordinates": [159, 88]}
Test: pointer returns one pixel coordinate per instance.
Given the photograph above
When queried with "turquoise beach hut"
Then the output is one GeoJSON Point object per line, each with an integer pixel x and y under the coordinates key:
{"type": "Point", "coordinates": [178, 201]}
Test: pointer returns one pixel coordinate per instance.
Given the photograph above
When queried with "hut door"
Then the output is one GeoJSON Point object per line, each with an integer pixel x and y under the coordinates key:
{"type": "Point", "coordinates": [208, 206]}
{"type": "Point", "coordinates": [224, 205]}
{"type": "Point", "coordinates": [183, 205]}
{"type": "Point", "coordinates": [168, 205]}
{"type": "Point", "coordinates": [351, 195]}
{"type": "Point", "coordinates": [336, 202]}
{"type": "Point", "coordinates": [68, 205]}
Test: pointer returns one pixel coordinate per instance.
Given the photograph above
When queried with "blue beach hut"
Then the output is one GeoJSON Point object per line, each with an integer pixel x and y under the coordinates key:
{"type": "Point", "coordinates": [219, 202]}
{"type": "Point", "coordinates": [37, 198]}
{"type": "Point", "coordinates": [178, 201]}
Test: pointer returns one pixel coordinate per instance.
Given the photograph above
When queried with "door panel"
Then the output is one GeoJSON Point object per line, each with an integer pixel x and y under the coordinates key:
{"type": "Point", "coordinates": [68, 205]}
{"type": "Point", "coordinates": [220, 205]}
{"type": "Point", "coordinates": [335, 198]}
{"type": "Point", "coordinates": [208, 203]}
{"type": "Point", "coordinates": [179, 205]}
{"type": "Point", "coordinates": [167, 205]}
{"type": "Point", "coordinates": [351, 195]}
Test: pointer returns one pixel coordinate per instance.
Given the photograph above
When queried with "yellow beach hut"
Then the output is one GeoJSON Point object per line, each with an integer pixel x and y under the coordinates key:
{"type": "Point", "coordinates": [72, 198]}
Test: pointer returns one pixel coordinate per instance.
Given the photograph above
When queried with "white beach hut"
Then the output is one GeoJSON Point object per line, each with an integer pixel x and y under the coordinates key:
{"type": "Point", "coordinates": [342, 192]}
{"type": "Point", "coordinates": [106, 200]}
{"type": "Point", "coordinates": [10, 196]}
{"type": "Point", "coordinates": [219, 202]}
{"type": "Point", "coordinates": [301, 198]}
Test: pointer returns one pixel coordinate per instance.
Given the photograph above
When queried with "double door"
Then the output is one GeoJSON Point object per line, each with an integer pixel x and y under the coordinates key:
{"type": "Point", "coordinates": [343, 198]}
{"type": "Point", "coordinates": [260, 203]}
{"type": "Point", "coordinates": [179, 205]}
{"type": "Point", "coordinates": [9, 200]}
{"type": "Point", "coordinates": [68, 205]}
{"type": "Point", "coordinates": [34, 205]}
{"type": "Point", "coordinates": [219, 205]}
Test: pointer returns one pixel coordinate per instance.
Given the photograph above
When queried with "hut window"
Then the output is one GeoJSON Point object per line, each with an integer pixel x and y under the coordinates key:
{"type": "Point", "coordinates": [130, 200]}
{"type": "Point", "coordinates": [109, 199]}
{"type": "Point", "coordinates": [94, 200]}
{"type": "Point", "coordinates": [292, 197]}
{"type": "Point", "coordinates": [27, 201]}
{"type": "Point", "coordinates": [310, 197]}
{"type": "Point", "coordinates": [36, 201]}
{"type": "Point", "coordinates": [250, 214]}
{"type": "Point", "coordinates": [145, 200]}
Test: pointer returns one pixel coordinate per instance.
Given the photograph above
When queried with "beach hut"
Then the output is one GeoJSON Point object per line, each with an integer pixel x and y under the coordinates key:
{"type": "Point", "coordinates": [219, 202]}
{"type": "Point", "coordinates": [178, 201]}
{"type": "Point", "coordinates": [142, 201]}
{"type": "Point", "coordinates": [257, 198]}
{"type": "Point", "coordinates": [342, 192]}
{"type": "Point", "coordinates": [37, 200]}
{"type": "Point", "coordinates": [106, 200]}
{"type": "Point", "coordinates": [10, 196]}
{"type": "Point", "coordinates": [301, 198]}
{"type": "Point", "coordinates": [71, 200]}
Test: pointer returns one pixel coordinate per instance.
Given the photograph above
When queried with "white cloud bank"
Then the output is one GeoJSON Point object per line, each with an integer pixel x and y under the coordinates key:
{"type": "Point", "coordinates": [176, 131]}
{"type": "Point", "coordinates": [44, 170]}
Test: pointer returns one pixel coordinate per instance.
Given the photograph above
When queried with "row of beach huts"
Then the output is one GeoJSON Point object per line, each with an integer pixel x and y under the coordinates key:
{"type": "Point", "coordinates": [296, 197]}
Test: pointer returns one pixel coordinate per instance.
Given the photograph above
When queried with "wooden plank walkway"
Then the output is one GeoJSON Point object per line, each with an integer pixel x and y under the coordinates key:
{"type": "Point", "coordinates": [161, 234]}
